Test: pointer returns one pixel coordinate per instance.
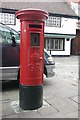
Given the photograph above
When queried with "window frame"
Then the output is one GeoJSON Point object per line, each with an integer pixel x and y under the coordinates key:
{"type": "Point", "coordinates": [11, 31]}
{"type": "Point", "coordinates": [5, 35]}
{"type": "Point", "coordinates": [7, 18]}
{"type": "Point", "coordinates": [50, 23]}
{"type": "Point", "coordinates": [48, 44]}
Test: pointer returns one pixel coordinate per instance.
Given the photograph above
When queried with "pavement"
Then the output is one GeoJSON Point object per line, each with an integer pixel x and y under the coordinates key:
{"type": "Point", "coordinates": [60, 94]}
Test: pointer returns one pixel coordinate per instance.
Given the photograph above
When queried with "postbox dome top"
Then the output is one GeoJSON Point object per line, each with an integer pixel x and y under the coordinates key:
{"type": "Point", "coordinates": [32, 14]}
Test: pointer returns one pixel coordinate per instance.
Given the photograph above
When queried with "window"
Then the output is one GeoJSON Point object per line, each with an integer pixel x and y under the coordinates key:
{"type": "Point", "coordinates": [7, 18]}
{"type": "Point", "coordinates": [54, 43]}
{"type": "Point", "coordinates": [53, 21]}
{"type": "Point", "coordinates": [6, 34]}
{"type": "Point", "coordinates": [17, 35]}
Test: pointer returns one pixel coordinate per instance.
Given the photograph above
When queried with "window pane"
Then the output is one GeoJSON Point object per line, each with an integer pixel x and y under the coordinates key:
{"type": "Point", "coordinates": [60, 44]}
{"type": "Point", "coordinates": [17, 36]}
{"type": "Point", "coordinates": [44, 43]}
{"type": "Point", "coordinates": [53, 21]}
{"type": "Point", "coordinates": [48, 44]}
{"type": "Point", "coordinates": [7, 18]}
{"type": "Point", "coordinates": [51, 45]}
{"type": "Point", "coordinates": [56, 44]}
{"type": "Point", "coordinates": [5, 35]}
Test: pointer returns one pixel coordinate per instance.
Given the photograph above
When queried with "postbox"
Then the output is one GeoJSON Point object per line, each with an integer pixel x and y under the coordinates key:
{"type": "Point", "coordinates": [31, 57]}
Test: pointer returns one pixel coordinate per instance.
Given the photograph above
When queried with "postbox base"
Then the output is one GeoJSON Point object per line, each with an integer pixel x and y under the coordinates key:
{"type": "Point", "coordinates": [30, 97]}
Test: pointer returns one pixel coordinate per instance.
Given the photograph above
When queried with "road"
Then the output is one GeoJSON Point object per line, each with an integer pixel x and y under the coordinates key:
{"type": "Point", "coordinates": [60, 98]}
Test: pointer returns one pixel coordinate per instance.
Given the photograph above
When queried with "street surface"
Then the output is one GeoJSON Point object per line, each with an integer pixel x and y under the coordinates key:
{"type": "Point", "coordinates": [60, 99]}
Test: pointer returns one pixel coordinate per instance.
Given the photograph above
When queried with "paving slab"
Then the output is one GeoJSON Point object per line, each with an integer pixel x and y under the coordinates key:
{"type": "Point", "coordinates": [60, 94]}
{"type": "Point", "coordinates": [75, 99]}
{"type": "Point", "coordinates": [54, 115]}
{"type": "Point", "coordinates": [72, 115]}
{"type": "Point", "coordinates": [63, 105]}
{"type": "Point", "coordinates": [30, 114]}
{"type": "Point", "coordinates": [47, 110]}
{"type": "Point", "coordinates": [7, 110]}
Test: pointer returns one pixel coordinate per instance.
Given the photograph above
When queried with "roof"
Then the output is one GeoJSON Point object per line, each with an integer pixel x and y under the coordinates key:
{"type": "Point", "coordinates": [57, 35]}
{"type": "Point", "coordinates": [55, 8]}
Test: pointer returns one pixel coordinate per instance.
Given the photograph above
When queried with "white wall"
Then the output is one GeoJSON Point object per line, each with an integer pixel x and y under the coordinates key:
{"type": "Point", "coordinates": [17, 26]}
{"type": "Point", "coordinates": [68, 26]}
{"type": "Point", "coordinates": [74, 6]}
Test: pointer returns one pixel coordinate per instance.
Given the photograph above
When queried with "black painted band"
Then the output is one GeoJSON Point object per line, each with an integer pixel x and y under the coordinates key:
{"type": "Point", "coordinates": [30, 97]}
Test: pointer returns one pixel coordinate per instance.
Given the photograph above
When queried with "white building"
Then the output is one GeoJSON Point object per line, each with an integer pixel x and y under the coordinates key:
{"type": "Point", "coordinates": [58, 39]}
{"type": "Point", "coordinates": [60, 27]}
{"type": "Point", "coordinates": [75, 5]}
{"type": "Point", "coordinates": [76, 8]}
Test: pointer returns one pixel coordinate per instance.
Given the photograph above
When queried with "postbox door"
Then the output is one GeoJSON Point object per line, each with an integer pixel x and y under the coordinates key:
{"type": "Point", "coordinates": [36, 58]}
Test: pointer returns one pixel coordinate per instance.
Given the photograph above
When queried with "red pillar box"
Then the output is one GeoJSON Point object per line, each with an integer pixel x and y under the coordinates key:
{"type": "Point", "coordinates": [31, 57]}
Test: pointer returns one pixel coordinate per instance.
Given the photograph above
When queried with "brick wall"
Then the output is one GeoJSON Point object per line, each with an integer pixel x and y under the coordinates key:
{"type": "Point", "coordinates": [75, 44]}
